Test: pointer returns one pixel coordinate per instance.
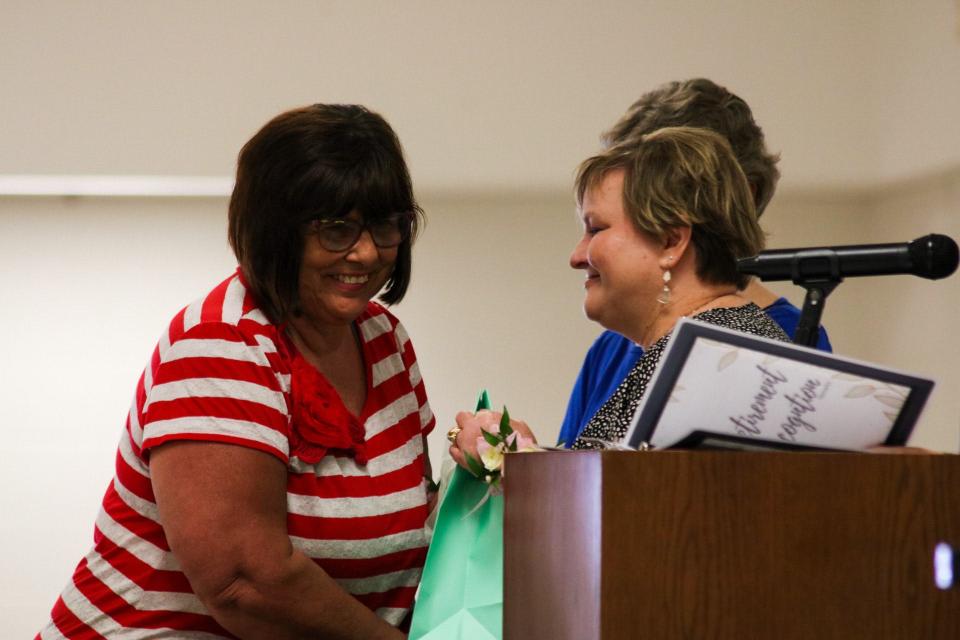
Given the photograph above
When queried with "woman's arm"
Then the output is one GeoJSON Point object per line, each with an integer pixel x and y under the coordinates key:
{"type": "Point", "coordinates": [224, 511]}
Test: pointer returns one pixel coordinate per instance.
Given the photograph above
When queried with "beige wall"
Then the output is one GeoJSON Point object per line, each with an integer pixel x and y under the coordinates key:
{"type": "Point", "coordinates": [497, 94]}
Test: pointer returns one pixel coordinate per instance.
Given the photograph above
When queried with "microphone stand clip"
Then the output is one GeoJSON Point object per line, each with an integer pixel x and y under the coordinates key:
{"type": "Point", "coordinates": [818, 288]}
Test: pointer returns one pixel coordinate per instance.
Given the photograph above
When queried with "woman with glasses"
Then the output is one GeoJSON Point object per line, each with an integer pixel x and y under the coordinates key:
{"type": "Point", "coordinates": [270, 479]}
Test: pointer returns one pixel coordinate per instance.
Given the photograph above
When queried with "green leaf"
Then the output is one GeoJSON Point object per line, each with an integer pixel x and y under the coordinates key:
{"type": "Point", "coordinates": [491, 439]}
{"type": "Point", "coordinates": [505, 428]}
{"type": "Point", "coordinates": [483, 401]}
{"type": "Point", "coordinates": [475, 467]}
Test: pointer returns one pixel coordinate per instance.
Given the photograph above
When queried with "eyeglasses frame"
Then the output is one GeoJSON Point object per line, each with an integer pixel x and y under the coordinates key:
{"type": "Point", "coordinates": [406, 217]}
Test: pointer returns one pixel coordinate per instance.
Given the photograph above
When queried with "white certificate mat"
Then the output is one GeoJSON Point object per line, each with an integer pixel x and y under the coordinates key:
{"type": "Point", "coordinates": [750, 389]}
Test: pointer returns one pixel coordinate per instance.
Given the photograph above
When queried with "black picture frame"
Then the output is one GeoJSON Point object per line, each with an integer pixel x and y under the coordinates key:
{"type": "Point", "coordinates": [688, 331]}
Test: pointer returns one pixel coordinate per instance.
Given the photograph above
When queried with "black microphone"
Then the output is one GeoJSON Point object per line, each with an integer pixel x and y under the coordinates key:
{"type": "Point", "coordinates": [934, 256]}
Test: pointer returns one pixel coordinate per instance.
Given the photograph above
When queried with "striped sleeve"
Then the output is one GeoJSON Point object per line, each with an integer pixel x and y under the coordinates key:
{"type": "Point", "coordinates": [409, 357]}
{"type": "Point", "coordinates": [216, 384]}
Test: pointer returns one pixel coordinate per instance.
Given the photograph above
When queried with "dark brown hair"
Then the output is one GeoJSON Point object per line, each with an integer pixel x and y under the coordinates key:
{"type": "Point", "coordinates": [684, 176]}
{"type": "Point", "coordinates": [702, 103]}
{"type": "Point", "coordinates": [317, 161]}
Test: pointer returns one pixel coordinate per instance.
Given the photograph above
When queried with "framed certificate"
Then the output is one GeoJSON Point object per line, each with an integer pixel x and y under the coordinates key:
{"type": "Point", "coordinates": [724, 389]}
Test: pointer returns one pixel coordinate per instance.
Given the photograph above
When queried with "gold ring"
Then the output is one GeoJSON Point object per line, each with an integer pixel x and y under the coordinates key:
{"type": "Point", "coordinates": [453, 433]}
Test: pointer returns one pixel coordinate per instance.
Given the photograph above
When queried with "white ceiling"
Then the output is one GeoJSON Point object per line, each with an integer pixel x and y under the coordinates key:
{"type": "Point", "coordinates": [488, 95]}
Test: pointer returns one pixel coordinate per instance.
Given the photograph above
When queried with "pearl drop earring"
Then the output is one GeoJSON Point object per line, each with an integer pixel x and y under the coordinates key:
{"type": "Point", "coordinates": [664, 297]}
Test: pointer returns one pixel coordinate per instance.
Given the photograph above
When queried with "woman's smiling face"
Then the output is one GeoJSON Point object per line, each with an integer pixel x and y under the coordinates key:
{"type": "Point", "coordinates": [335, 287]}
{"type": "Point", "coordinates": [622, 263]}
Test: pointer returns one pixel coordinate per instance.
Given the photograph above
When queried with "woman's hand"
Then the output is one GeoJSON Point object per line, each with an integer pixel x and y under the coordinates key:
{"type": "Point", "coordinates": [470, 425]}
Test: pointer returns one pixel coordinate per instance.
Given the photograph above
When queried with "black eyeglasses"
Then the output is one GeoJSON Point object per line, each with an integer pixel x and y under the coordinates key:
{"type": "Point", "coordinates": [340, 234]}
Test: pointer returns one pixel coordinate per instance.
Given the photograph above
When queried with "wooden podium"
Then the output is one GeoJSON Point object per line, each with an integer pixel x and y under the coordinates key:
{"type": "Point", "coordinates": [745, 546]}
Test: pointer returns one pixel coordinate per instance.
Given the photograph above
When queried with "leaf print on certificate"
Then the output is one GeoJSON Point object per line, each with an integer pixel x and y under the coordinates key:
{"type": "Point", "coordinates": [894, 402]}
{"type": "Point", "coordinates": [848, 377]}
{"type": "Point", "coordinates": [860, 391]}
{"type": "Point", "coordinates": [674, 397]}
{"type": "Point", "coordinates": [896, 390]}
{"type": "Point", "coordinates": [728, 359]}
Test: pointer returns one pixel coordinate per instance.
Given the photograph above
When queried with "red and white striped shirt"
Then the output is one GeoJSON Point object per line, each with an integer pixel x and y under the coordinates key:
{"type": "Point", "coordinates": [355, 500]}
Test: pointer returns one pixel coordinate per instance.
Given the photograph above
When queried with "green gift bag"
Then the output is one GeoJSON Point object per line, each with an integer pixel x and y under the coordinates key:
{"type": "Point", "coordinates": [461, 592]}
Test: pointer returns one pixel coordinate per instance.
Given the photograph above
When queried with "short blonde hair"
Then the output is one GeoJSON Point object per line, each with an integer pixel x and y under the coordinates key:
{"type": "Point", "coordinates": [685, 177]}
